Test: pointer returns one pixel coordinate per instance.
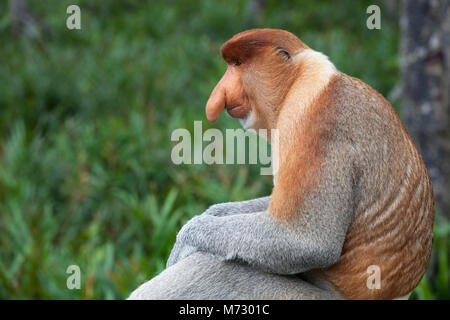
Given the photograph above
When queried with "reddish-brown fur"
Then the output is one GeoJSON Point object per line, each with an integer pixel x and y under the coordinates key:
{"type": "Point", "coordinates": [300, 171]}
{"type": "Point", "coordinates": [392, 227]}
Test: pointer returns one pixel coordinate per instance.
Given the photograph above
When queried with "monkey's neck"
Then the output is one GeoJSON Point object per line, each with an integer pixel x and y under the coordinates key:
{"type": "Point", "coordinates": [315, 73]}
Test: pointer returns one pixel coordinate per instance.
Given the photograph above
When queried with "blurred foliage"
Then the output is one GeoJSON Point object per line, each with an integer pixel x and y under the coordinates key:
{"type": "Point", "coordinates": [85, 123]}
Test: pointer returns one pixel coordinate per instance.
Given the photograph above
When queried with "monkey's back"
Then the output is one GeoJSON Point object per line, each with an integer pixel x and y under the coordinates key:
{"type": "Point", "coordinates": [393, 197]}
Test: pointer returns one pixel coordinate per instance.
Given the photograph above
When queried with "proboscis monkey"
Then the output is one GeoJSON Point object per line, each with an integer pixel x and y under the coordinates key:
{"type": "Point", "coordinates": [352, 190]}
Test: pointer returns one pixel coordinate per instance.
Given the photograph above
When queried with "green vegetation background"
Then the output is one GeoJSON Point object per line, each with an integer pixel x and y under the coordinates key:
{"type": "Point", "coordinates": [85, 124]}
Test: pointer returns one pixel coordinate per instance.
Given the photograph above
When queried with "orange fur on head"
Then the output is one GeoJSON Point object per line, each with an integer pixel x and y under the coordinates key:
{"type": "Point", "coordinates": [255, 66]}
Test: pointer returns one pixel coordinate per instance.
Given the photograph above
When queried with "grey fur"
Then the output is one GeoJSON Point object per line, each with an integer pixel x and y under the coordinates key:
{"type": "Point", "coordinates": [203, 276]}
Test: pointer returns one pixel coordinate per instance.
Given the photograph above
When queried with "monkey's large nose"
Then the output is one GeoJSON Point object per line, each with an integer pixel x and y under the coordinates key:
{"type": "Point", "coordinates": [216, 103]}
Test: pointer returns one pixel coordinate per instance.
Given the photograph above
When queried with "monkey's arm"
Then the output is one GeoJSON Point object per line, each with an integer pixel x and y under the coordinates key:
{"type": "Point", "coordinates": [312, 239]}
{"type": "Point", "coordinates": [265, 243]}
{"type": "Point", "coordinates": [182, 250]}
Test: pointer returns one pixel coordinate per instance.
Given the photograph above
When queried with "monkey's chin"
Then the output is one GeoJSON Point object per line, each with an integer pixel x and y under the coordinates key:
{"type": "Point", "coordinates": [247, 122]}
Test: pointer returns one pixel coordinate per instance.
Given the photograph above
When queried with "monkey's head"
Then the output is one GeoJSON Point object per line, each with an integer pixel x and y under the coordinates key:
{"type": "Point", "coordinates": [261, 69]}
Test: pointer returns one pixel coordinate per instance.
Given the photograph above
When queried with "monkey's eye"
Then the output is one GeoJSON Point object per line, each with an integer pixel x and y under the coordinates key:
{"type": "Point", "coordinates": [237, 63]}
{"type": "Point", "coordinates": [284, 52]}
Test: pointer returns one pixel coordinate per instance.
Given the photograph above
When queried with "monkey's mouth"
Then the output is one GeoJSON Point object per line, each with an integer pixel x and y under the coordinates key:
{"type": "Point", "coordinates": [237, 111]}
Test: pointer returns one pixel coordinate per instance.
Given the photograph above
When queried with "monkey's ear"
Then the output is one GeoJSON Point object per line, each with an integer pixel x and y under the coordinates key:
{"type": "Point", "coordinates": [284, 52]}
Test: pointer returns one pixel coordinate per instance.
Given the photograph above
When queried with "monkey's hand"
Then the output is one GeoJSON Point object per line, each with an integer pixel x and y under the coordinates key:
{"type": "Point", "coordinates": [181, 250]}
